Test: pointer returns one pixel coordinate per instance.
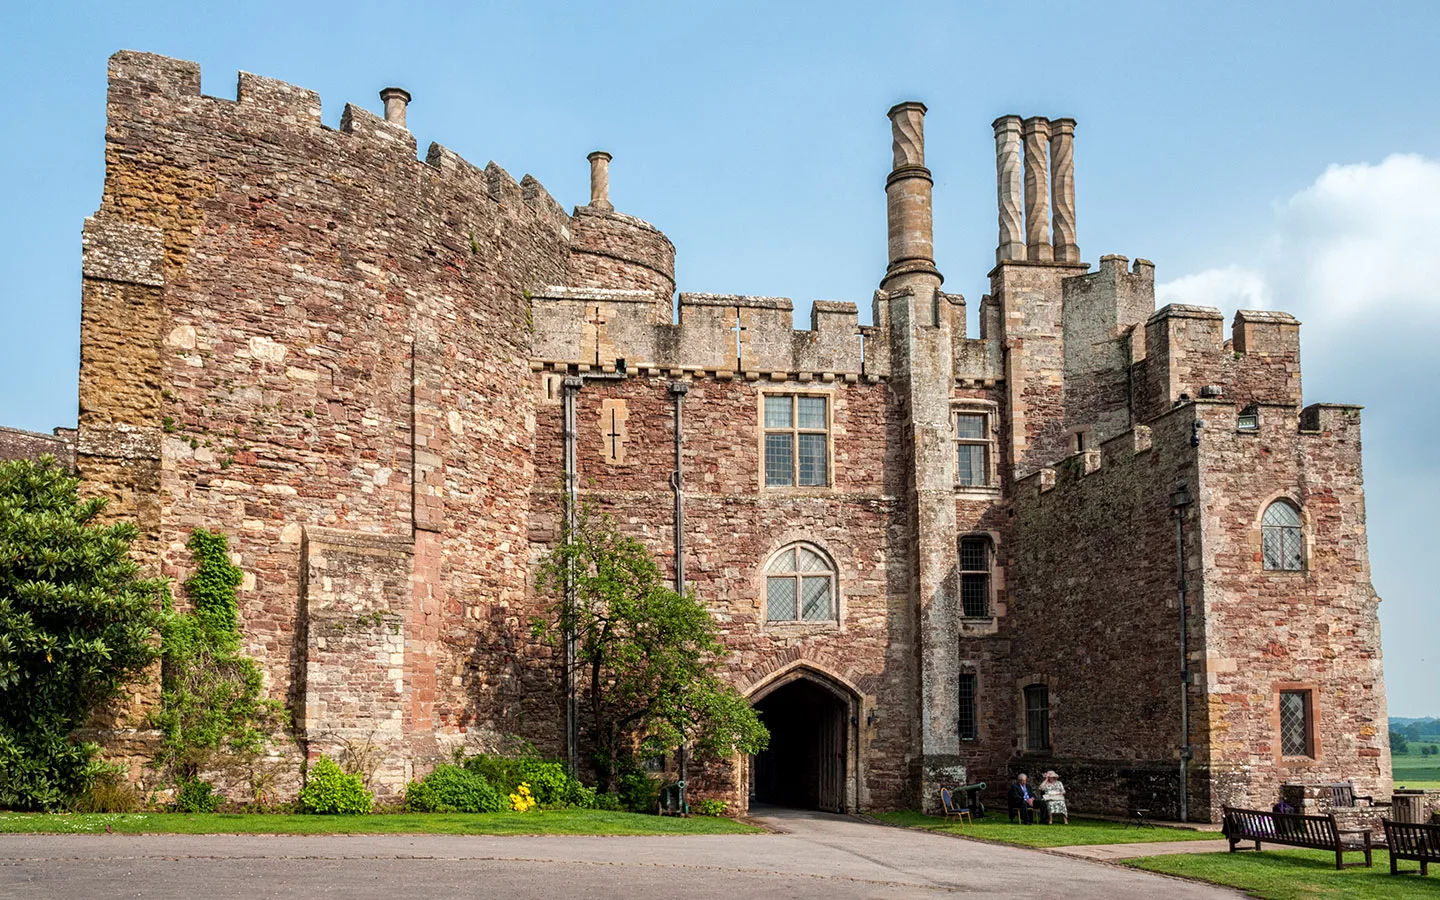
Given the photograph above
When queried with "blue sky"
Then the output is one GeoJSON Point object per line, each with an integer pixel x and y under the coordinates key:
{"type": "Point", "coordinates": [1282, 155]}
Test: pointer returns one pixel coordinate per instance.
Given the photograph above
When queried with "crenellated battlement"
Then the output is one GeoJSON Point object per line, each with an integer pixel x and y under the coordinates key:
{"type": "Point", "coordinates": [147, 86]}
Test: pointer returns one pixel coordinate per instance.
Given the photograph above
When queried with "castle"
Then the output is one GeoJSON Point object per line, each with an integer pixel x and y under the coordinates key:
{"type": "Point", "coordinates": [1096, 537]}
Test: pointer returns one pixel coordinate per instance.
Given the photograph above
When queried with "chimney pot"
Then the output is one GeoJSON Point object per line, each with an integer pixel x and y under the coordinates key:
{"type": "Point", "coordinates": [600, 180]}
{"type": "Point", "coordinates": [395, 100]}
{"type": "Point", "coordinates": [908, 213]}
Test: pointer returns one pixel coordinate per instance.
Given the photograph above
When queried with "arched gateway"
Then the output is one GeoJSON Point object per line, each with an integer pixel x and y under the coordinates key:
{"type": "Point", "coordinates": [812, 761]}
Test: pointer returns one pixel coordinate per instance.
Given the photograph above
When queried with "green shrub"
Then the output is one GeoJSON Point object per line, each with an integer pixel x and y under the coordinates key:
{"type": "Point", "coordinates": [196, 796]}
{"type": "Point", "coordinates": [608, 802]}
{"type": "Point", "coordinates": [638, 792]}
{"type": "Point", "coordinates": [454, 789]}
{"type": "Point", "coordinates": [709, 807]}
{"type": "Point", "coordinates": [549, 781]}
{"type": "Point", "coordinates": [110, 792]}
{"type": "Point", "coordinates": [76, 624]}
{"type": "Point", "coordinates": [329, 791]}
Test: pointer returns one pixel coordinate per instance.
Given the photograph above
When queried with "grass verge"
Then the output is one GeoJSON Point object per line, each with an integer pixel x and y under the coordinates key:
{"type": "Point", "coordinates": [1078, 833]}
{"type": "Point", "coordinates": [1296, 875]}
{"type": "Point", "coordinates": [559, 821]}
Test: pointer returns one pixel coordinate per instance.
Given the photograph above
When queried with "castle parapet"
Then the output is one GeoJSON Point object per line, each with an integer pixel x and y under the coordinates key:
{"type": "Point", "coordinates": [1186, 356]}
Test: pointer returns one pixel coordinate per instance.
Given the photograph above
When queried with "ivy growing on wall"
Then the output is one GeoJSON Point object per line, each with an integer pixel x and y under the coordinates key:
{"type": "Point", "coordinates": [213, 713]}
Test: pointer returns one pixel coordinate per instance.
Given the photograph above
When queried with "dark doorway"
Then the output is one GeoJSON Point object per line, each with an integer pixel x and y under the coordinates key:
{"type": "Point", "coordinates": [805, 764]}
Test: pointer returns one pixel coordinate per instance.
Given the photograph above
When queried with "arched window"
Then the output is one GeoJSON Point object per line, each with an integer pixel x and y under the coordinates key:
{"type": "Point", "coordinates": [1281, 537]}
{"type": "Point", "coordinates": [800, 586]}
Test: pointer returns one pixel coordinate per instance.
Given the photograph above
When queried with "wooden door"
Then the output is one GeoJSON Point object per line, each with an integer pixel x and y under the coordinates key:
{"type": "Point", "coordinates": [830, 760]}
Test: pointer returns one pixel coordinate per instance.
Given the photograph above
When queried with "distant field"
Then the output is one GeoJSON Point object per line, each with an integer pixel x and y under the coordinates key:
{"type": "Point", "coordinates": [1414, 770]}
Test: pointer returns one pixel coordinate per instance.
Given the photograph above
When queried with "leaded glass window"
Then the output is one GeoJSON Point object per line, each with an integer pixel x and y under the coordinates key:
{"type": "Point", "coordinates": [975, 558]}
{"type": "Point", "coordinates": [972, 448]}
{"type": "Point", "coordinates": [800, 586]}
{"type": "Point", "coordinates": [1037, 717]}
{"type": "Point", "coordinates": [1282, 537]}
{"type": "Point", "coordinates": [968, 718]}
{"type": "Point", "coordinates": [1295, 723]}
{"type": "Point", "coordinates": [797, 440]}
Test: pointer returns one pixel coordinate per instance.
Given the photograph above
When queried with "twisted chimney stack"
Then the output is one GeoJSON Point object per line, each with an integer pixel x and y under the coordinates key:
{"type": "Point", "coordinates": [908, 201]}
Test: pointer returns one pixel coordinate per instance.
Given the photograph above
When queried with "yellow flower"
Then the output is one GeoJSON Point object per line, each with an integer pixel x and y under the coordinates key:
{"type": "Point", "coordinates": [521, 800]}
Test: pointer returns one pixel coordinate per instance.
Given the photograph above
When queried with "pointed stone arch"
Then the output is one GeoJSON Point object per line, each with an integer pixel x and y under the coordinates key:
{"type": "Point", "coordinates": [814, 757]}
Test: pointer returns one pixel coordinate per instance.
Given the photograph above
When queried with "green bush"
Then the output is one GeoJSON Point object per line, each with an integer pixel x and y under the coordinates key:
{"type": "Point", "coordinates": [608, 802]}
{"type": "Point", "coordinates": [454, 789]}
{"type": "Point", "coordinates": [638, 792]}
{"type": "Point", "coordinates": [329, 791]}
{"type": "Point", "coordinates": [709, 807]}
{"type": "Point", "coordinates": [76, 624]}
{"type": "Point", "coordinates": [549, 781]}
{"type": "Point", "coordinates": [196, 796]}
{"type": "Point", "coordinates": [110, 792]}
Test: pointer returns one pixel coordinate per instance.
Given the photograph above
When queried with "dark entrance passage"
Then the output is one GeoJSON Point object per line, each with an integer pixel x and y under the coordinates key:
{"type": "Point", "coordinates": [805, 764]}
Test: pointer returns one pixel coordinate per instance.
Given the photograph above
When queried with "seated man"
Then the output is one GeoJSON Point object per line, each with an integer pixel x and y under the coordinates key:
{"type": "Point", "coordinates": [1022, 800]}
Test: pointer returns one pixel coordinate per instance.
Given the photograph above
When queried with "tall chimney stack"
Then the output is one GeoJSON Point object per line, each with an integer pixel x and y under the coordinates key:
{"type": "Point", "coordinates": [907, 196]}
{"type": "Point", "coordinates": [1037, 191]}
{"type": "Point", "coordinates": [600, 180]}
{"type": "Point", "coordinates": [395, 100]}
{"type": "Point", "coordinates": [1062, 189]}
{"type": "Point", "coordinates": [1008, 190]}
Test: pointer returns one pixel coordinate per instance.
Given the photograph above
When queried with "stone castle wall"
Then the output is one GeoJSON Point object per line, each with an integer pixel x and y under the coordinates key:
{"type": "Point", "coordinates": [351, 361]}
{"type": "Point", "coordinates": [17, 444]}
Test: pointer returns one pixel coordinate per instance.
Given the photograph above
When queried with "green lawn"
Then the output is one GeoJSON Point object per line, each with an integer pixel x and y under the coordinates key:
{"type": "Point", "coordinates": [560, 821]}
{"type": "Point", "coordinates": [1416, 771]}
{"type": "Point", "coordinates": [1080, 831]}
{"type": "Point", "coordinates": [1296, 875]}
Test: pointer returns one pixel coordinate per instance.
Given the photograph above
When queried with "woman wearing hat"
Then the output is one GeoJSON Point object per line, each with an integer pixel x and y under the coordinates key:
{"type": "Point", "coordinates": [1052, 792]}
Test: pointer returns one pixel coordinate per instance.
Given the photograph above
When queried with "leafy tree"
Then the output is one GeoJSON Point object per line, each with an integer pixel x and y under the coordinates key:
{"type": "Point", "coordinates": [1399, 743]}
{"type": "Point", "coordinates": [647, 656]}
{"type": "Point", "coordinates": [213, 712]}
{"type": "Point", "coordinates": [76, 624]}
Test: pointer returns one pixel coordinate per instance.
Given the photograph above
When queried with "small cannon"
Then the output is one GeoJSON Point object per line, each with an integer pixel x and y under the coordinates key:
{"type": "Point", "coordinates": [972, 797]}
{"type": "Point", "coordinates": [672, 800]}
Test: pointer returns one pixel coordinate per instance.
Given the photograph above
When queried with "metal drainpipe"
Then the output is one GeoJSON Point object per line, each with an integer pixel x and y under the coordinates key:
{"type": "Point", "coordinates": [571, 386]}
{"type": "Point", "coordinates": [1180, 501]}
{"type": "Point", "coordinates": [678, 390]}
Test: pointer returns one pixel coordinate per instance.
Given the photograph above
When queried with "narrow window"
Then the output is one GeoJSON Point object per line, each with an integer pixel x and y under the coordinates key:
{"type": "Point", "coordinates": [799, 586]}
{"type": "Point", "coordinates": [1037, 717]}
{"type": "Point", "coordinates": [797, 440]}
{"type": "Point", "coordinates": [1249, 419]}
{"type": "Point", "coordinates": [975, 557]}
{"type": "Point", "coordinates": [968, 727]}
{"type": "Point", "coordinates": [1281, 537]}
{"type": "Point", "coordinates": [1295, 722]}
{"type": "Point", "coordinates": [972, 443]}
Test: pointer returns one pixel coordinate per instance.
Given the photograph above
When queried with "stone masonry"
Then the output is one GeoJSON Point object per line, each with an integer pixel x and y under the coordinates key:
{"type": "Point", "coordinates": [354, 361]}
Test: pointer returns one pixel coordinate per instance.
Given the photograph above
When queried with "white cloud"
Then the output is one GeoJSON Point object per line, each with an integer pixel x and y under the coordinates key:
{"type": "Point", "coordinates": [1356, 257]}
{"type": "Point", "coordinates": [1361, 241]}
{"type": "Point", "coordinates": [1230, 288]}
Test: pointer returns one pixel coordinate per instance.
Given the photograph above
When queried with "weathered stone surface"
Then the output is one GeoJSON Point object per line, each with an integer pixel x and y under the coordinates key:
{"type": "Point", "coordinates": [350, 361]}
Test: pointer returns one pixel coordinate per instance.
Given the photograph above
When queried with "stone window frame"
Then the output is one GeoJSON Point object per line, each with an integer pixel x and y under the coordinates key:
{"type": "Point", "coordinates": [1258, 534]}
{"type": "Point", "coordinates": [797, 625]}
{"type": "Point", "coordinates": [992, 554]}
{"type": "Point", "coordinates": [1311, 690]}
{"type": "Point", "coordinates": [829, 396]}
{"type": "Point", "coordinates": [990, 410]}
{"type": "Point", "coordinates": [1022, 719]}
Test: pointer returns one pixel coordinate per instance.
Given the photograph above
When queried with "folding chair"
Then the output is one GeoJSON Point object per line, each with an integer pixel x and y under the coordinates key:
{"type": "Point", "coordinates": [960, 813]}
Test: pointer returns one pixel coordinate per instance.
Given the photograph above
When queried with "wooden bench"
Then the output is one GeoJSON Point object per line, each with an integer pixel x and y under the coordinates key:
{"type": "Point", "coordinates": [1310, 832]}
{"type": "Point", "coordinates": [1412, 840]}
{"type": "Point", "coordinates": [1343, 796]}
